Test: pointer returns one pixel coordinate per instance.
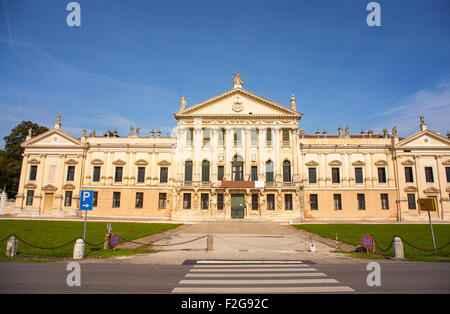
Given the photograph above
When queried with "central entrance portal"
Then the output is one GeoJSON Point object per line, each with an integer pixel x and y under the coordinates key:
{"type": "Point", "coordinates": [237, 206]}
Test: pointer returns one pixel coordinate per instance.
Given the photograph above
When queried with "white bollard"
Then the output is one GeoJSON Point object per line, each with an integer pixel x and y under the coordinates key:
{"type": "Point", "coordinates": [78, 249]}
{"type": "Point", "coordinates": [11, 246]}
{"type": "Point", "coordinates": [397, 248]}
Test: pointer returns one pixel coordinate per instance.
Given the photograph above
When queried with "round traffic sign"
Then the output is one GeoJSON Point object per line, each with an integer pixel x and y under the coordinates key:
{"type": "Point", "coordinates": [115, 239]}
{"type": "Point", "coordinates": [367, 241]}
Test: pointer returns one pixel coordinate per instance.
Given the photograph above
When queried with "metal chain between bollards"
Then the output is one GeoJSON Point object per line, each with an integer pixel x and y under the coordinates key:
{"type": "Point", "coordinates": [48, 248]}
{"type": "Point", "coordinates": [411, 245]}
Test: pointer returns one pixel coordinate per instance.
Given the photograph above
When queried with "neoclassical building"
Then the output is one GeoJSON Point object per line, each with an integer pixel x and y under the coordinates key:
{"type": "Point", "coordinates": [237, 156]}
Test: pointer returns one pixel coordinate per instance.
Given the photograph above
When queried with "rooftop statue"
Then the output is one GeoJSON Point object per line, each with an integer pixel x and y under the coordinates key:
{"type": "Point", "coordinates": [237, 81]}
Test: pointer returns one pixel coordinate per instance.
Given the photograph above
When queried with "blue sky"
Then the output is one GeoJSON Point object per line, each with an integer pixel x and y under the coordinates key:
{"type": "Point", "coordinates": [130, 61]}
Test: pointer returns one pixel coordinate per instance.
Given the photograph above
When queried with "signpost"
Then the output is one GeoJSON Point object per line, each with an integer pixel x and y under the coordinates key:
{"type": "Point", "coordinates": [429, 205]}
{"type": "Point", "coordinates": [115, 240]}
{"type": "Point", "coordinates": [86, 201]}
{"type": "Point", "coordinates": [367, 241]}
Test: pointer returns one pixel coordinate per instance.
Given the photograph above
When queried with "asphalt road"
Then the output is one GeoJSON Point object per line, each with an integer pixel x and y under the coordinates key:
{"type": "Point", "coordinates": [50, 278]}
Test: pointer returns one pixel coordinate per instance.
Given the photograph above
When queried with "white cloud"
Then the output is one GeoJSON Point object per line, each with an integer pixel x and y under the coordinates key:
{"type": "Point", "coordinates": [433, 103]}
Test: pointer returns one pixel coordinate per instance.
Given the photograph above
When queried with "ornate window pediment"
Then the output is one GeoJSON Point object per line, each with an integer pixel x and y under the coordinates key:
{"type": "Point", "coordinates": [408, 162]}
{"type": "Point", "coordinates": [34, 161]}
{"type": "Point", "coordinates": [381, 163]}
{"type": "Point", "coordinates": [431, 190]}
{"type": "Point", "coordinates": [119, 162]}
{"type": "Point", "coordinates": [446, 163]}
{"type": "Point", "coordinates": [30, 186]}
{"type": "Point", "coordinates": [68, 186]}
{"type": "Point", "coordinates": [49, 187]}
{"type": "Point", "coordinates": [312, 163]}
{"type": "Point", "coordinates": [335, 163]}
{"type": "Point", "coordinates": [71, 162]}
{"type": "Point", "coordinates": [164, 163]}
{"type": "Point", "coordinates": [410, 189]}
{"type": "Point", "coordinates": [141, 162]}
{"type": "Point", "coordinates": [97, 162]}
{"type": "Point", "coordinates": [358, 163]}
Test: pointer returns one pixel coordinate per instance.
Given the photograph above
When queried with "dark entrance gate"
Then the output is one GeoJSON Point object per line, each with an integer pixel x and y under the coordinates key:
{"type": "Point", "coordinates": [237, 206]}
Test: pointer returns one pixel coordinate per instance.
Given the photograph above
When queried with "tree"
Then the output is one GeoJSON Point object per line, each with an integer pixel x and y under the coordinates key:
{"type": "Point", "coordinates": [11, 157]}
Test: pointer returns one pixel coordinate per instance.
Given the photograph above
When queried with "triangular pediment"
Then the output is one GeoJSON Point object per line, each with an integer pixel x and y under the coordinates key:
{"type": "Point", "coordinates": [424, 139]}
{"type": "Point", "coordinates": [54, 138]}
{"type": "Point", "coordinates": [237, 102]}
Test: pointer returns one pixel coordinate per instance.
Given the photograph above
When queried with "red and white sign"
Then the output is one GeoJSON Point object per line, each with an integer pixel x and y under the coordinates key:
{"type": "Point", "coordinates": [367, 241]}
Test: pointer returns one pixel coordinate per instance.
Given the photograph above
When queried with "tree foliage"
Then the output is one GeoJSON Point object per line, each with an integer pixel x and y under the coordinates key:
{"type": "Point", "coordinates": [11, 156]}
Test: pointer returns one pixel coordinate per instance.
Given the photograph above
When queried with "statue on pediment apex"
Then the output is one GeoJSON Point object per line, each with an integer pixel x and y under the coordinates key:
{"type": "Point", "coordinates": [237, 81]}
{"type": "Point", "coordinates": [183, 102]}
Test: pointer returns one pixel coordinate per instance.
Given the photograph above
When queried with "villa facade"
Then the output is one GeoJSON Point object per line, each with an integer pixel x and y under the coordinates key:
{"type": "Point", "coordinates": [237, 156]}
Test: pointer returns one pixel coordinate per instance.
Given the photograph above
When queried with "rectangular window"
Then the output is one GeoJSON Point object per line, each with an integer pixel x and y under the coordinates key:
{"type": "Point", "coordinates": [237, 137]}
{"type": "Point", "coordinates": [95, 199]}
{"type": "Point", "coordinates": [68, 198]}
{"type": "Point", "coordinates": [141, 175]}
{"type": "Point", "coordinates": [118, 174]}
{"type": "Point", "coordinates": [361, 201]}
{"type": "Point", "coordinates": [312, 172]}
{"type": "Point", "coordinates": [30, 196]}
{"type": "Point", "coordinates": [96, 174]}
{"type": "Point", "coordinates": [359, 175]}
{"type": "Point", "coordinates": [269, 136]}
{"type": "Point", "coordinates": [335, 176]}
{"type": "Point", "coordinates": [33, 172]}
{"type": "Point", "coordinates": [188, 171]}
{"type": "Point", "coordinates": [206, 136]}
{"type": "Point", "coordinates": [70, 173]}
{"type": "Point", "coordinates": [409, 174]}
{"type": "Point", "coordinates": [187, 201]}
{"type": "Point", "coordinates": [270, 201]}
{"type": "Point", "coordinates": [189, 136]}
{"type": "Point", "coordinates": [286, 171]}
{"type": "Point", "coordinates": [429, 174]}
{"type": "Point", "coordinates": [254, 136]}
{"type": "Point", "coordinates": [254, 201]}
{"type": "Point", "coordinates": [116, 200]}
{"type": "Point", "coordinates": [313, 202]}
{"type": "Point", "coordinates": [288, 201]}
{"type": "Point", "coordinates": [220, 173]}
{"type": "Point", "coordinates": [220, 201]}
{"type": "Point", "coordinates": [411, 201]}
{"type": "Point", "coordinates": [447, 172]}
{"type": "Point", "coordinates": [205, 200]}
{"type": "Point", "coordinates": [337, 201]}
{"type": "Point", "coordinates": [163, 174]}
{"type": "Point", "coordinates": [254, 170]}
{"type": "Point", "coordinates": [221, 136]}
{"type": "Point", "coordinates": [286, 136]}
{"type": "Point", "coordinates": [384, 201]}
{"type": "Point", "coordinates": [139, 199]}
{"type": "Point", "coordinates": [382, 175]}
{"type": "Point", "coordinates": [162, 200]}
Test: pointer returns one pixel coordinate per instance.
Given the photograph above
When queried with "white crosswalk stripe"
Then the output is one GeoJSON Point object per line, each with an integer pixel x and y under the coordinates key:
{"type": "Point", "coordinates": [225, 276]}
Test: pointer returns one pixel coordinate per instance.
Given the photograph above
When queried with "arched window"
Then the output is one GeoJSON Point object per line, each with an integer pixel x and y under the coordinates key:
{"type": "Point", "coordinates": [286, 171]}
{"type": "Point", "coordinates": [205, 171]}
{"type": "Point", "coordinates": [237, 166]}
{"type": "Point", "coordinates": [269, 171]}
{"type": "Point", "coordinates": [188, 170]}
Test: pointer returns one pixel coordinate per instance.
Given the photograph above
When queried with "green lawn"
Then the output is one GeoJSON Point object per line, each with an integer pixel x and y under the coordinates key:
{"type": "Point", "coordinates": [55, 233]}
{"type": "Point", "coordinates": [418, 235]}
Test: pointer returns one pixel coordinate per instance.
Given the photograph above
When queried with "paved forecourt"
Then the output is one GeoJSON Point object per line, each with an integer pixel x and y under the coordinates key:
{"type": "Point", "coordinates": [257, 276]}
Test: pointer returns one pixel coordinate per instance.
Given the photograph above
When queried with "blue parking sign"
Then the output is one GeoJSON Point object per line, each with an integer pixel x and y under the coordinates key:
{"type": "Point", "coordinates": [86, 199]}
